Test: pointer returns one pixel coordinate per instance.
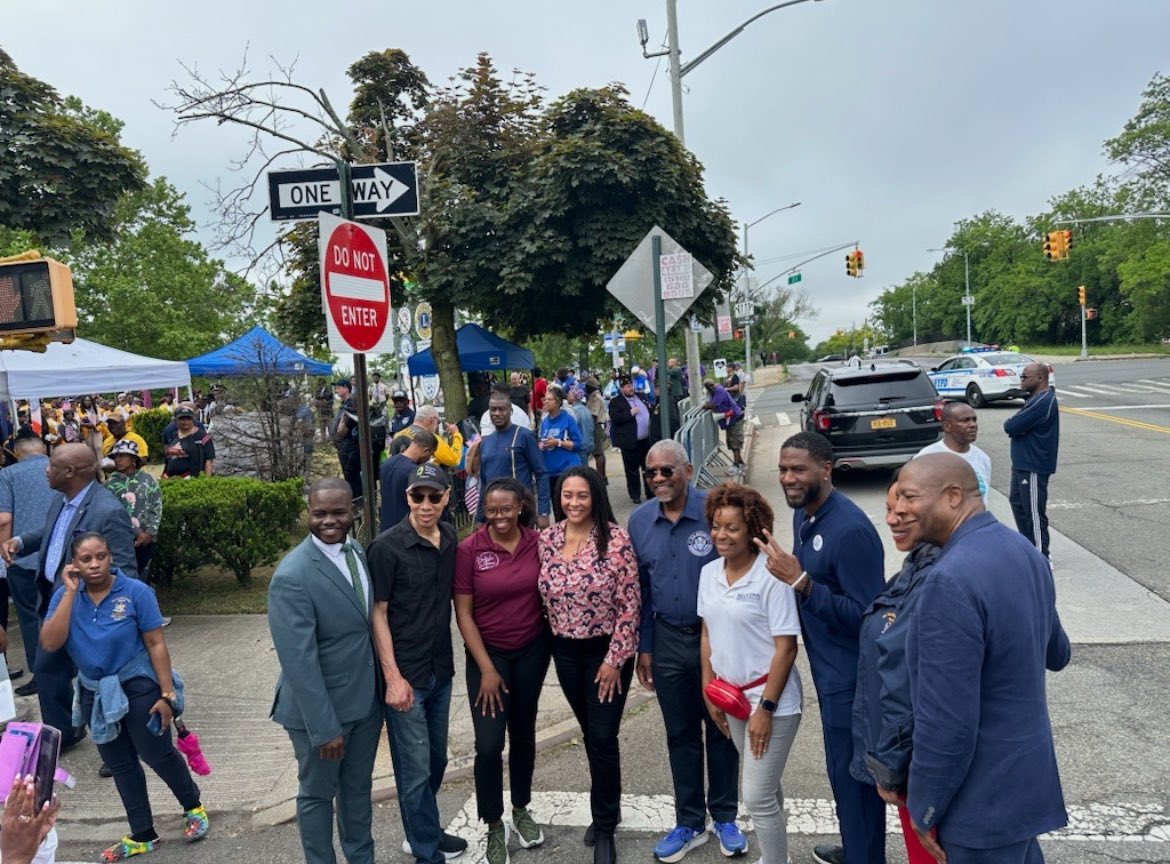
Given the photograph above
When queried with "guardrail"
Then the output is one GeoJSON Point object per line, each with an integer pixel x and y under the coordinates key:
{"type": "Point", "coordinates": [699, 434]}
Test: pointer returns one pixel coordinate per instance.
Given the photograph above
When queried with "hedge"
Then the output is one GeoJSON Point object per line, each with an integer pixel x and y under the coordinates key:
{"type": "Point", "coordinates": [150, 425]}
{"type": "Point", "coordinates": [236, 523]}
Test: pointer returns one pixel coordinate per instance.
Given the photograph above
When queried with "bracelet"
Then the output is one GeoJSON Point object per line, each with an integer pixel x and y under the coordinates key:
{"type": "Point", "coordinates": [803, 575]}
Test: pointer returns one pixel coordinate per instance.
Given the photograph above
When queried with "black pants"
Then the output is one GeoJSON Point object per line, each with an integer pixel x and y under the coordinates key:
{"type": "Point", "coordinates": [678, 683]}
{"type": "Point", "coordinates": [634, 463]}
{"type": "Point", "coordinates": [136, 742]}
{"type": "Point", "coordinates": [143, 555]}
{"type": "Point", "coordinates": [577, 662]}
{"type": "Point", "coordinates": [22, 584]}
{"type": "Point", "coordinates": [351, 467]}
{"type": "Point", "coordinates": [523, 671]}
{"type": "Point", "coordinates": [1029, 500]}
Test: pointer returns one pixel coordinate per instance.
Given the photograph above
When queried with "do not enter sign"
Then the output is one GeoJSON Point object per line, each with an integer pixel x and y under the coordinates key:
{"type": "Point", "coordinates": [355, 288]}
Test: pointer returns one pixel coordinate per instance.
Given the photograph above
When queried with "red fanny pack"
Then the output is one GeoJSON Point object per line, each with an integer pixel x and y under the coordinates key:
{"type": "Point", "coordinates": [730, 699]}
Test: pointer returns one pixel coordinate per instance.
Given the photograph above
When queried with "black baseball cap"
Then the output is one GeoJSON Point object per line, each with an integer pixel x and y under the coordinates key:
{"type": "Point", "coordinates": [184, 412]}
{"type": "Point", "coordinates": [430, 476]}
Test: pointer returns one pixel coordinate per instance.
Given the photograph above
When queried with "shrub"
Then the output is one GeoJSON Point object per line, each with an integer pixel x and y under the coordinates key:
{"type": "Point", "coordinates": [150, 425]}
{"type": "Point", "coordinates": [237, 523]}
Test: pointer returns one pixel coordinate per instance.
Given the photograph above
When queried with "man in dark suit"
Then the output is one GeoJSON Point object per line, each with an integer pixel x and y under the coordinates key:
{"type": "Point", "coordinates": [328, 694]}
{"type": "Point", "coordinates": [983, 779]}
{"type": "Point", "coordinates": [83, 505]}
{"type": "Point", "coordinates": [629, 429]}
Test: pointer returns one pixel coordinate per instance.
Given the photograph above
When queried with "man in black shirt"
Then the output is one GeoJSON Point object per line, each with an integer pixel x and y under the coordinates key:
{"type": "Point", "coordinates": [413, 568]}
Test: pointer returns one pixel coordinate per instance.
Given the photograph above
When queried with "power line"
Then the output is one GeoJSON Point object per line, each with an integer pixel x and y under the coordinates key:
{"type": "Point", "coordinates": [654, 76]}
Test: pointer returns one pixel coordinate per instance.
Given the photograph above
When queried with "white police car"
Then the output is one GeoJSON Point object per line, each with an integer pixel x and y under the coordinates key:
{"type": "Point", "coordinates": [982, 375]}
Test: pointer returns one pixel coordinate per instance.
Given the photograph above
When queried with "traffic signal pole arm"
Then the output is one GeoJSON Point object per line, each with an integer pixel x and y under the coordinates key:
{"type": "Point", "coordinates": [796, 267]}
{"type": "Point", "coordinates": [1122, 218]}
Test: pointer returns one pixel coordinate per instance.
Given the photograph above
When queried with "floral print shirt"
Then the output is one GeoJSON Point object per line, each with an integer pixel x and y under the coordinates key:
{"type": "Point", "coordinates": [141, 496]}
{"type": "Point", "coordinates": [587, 597]}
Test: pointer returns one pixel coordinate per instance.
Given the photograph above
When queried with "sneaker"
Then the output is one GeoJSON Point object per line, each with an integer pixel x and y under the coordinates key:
{"type": "Point", "coordinates": [450, 845]}
{"type": "Point", "coordinates": [731, 839]}
{"type": "Point", "coordinates": [197, 824]}
{"type": "Point", "coordinates": [127, 848]}
{"type": "Point", "coordinates": [497, 845]}
{"type": "Point", "coordinates": [829, 855]}
{"type": "Point", "coordinates": [528, 833]}
{"type": "Point", "coordinates": [733, 470]}
{"type": "Point", "coordinates": [675, 845]}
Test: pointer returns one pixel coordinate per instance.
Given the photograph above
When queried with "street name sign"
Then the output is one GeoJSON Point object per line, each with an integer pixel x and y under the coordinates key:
{"type": "Point", "coordinates": [355, 286]}
{"type": "Point", "coordinates": [385, 189]}
{"type": "Point", "coordinates": [633, 284]}
{"type": "Point", "coordinates": [794, 278]}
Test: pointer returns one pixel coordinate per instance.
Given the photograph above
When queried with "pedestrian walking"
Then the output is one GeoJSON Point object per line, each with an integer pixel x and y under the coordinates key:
{"type": "Point", "coordinates": [883, 721]}
{"type": "Point", "coordinates": [1035, 439]}
{"type": "Point", "coordinates": [413, 567]}
{"type": "Point", "coordinates": [836, 570]}
{"type": "Point", "coordinates": [589, 584]}
{"type": "Point", "coordinates": [629, 429]}
{"type": "Point", "coordinates": [508, 643]}
{"type": "Point", "coordinates": [672, 543]}
{"type": "Point", "coordinates": [109, 624]}
{"type": "Point", "coordinates": [328, 693]}
{"type": "Point", "coordinates": [984, 782]}
{"type": "Point", "coordinates": [960, 427]}
{"type": "Point", "coordinates": [750, 625]}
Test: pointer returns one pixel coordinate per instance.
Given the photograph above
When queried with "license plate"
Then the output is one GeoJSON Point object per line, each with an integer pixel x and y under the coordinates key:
{"type": "Point", "coordinates": [883, 423]}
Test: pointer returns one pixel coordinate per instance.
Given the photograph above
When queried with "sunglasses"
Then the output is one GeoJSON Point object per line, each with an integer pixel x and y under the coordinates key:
{"type": "Point", "coordinates": [418, 497]}
{"type": "Point", "coordinates": [667, 472]}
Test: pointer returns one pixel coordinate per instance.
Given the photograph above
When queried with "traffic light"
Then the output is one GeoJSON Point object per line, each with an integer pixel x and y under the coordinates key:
{"type": "Point", "coordinates": [858, 262]}
{"type": "Point", "coordinates": [849, 271]}
{"type": "Point", "coordinates": [1091, 314]}
{"type": "Point", "coordinates": [853, 263]}
{"type": "Point", "coordinates": [1052, 246]}
{"type": "Point", "coordinates": [1081, 295]}
{"type": "Point", "coordinates": [36, 295]}
{"type": "Point", "coordinates": [1065, 242]}
{"type": "Point", "coordinates": [738, 334]}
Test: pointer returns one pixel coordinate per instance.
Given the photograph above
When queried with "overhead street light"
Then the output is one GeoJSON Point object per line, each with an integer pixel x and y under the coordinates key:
{"type": "Point", "coordinates": [747, 284]}
{"type": "Point", "coordinates": [968, 301]}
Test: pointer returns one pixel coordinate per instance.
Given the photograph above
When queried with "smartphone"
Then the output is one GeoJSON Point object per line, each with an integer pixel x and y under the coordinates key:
{"type": "Point", "coordinates": [49, 749]}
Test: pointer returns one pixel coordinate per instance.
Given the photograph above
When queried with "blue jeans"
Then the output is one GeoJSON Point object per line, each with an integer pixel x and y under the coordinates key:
{"type": "Point", "coordinates": [418, 750]}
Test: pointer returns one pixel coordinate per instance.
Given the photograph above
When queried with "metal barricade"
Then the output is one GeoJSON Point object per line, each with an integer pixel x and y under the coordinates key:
{"type": "Point", "coordinates": [699, 434]}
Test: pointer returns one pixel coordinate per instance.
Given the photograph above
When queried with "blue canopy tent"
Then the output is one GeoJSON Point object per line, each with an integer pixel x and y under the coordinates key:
{"type": "Point", "coordinates": [479, 351]}
{"type": "Point", "coordinates": [257, 352]}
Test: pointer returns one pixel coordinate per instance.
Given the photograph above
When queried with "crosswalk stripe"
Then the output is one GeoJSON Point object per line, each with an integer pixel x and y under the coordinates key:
{"type": "Point", "coordinates": [1099, 389]}
{"type": "Point", "coordinates": [1068, 391]}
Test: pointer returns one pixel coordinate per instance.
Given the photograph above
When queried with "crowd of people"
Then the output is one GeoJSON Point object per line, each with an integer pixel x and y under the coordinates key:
{"type": "Point", "coordinates": [930, 687]}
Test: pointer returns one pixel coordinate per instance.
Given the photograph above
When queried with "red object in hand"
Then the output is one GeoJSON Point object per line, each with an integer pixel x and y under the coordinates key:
{"type": "Point", "coordinates": [188, 745]}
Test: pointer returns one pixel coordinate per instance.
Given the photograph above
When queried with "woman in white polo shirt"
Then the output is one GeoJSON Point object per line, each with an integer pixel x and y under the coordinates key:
{"type": "Point", "coordinates": [750, 625]}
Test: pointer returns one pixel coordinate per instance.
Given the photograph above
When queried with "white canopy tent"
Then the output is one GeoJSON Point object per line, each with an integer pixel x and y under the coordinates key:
{"type": "Point", "coordinates": [84, 367]}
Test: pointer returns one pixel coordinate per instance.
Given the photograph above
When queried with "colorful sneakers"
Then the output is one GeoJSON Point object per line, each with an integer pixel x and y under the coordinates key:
{"type": "Point", "coordinates": [528, 833]}
{"type": "Point", "coordinates": [127, 848]}
{"type": "Point", "coordinates": [675, 845]}
{"type": "Point", "coordinates": [197, 824]}
{"type": "Point", "coordinates": [731, 839]}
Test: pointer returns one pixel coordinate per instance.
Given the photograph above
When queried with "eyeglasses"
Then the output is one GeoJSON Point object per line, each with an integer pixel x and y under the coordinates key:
{"type": "Point", "coordinates": [418, 497]}
{"type": "Point", "coordinates": [667, 472]}
{"type": "Point", "coordinates": [493, 512]}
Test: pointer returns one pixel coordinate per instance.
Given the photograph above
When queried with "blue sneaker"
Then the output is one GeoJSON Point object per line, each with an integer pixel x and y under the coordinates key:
{"type": "Point", "coordinates": [675, 845]}
{"type": "Point", "coordinates": [731, 839]}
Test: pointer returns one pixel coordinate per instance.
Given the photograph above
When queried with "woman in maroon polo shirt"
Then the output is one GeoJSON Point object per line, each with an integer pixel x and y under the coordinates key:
{"type": "Point", "coordinates": [500, 614]}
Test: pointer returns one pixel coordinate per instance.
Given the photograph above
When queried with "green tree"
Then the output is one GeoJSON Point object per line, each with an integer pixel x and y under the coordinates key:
{"type": "Point", "coordinates": [63, 168]}
{"type": "Point", "coordinates": [1143, 146]}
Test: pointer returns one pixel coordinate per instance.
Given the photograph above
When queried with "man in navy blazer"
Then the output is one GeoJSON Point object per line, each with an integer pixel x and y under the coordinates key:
{"type": "Point", "coordinates": [983, 783]}
{"type": "Point", "coordinates": [328, 696]}
{"type": "Point", "coordinates": [83, 505]}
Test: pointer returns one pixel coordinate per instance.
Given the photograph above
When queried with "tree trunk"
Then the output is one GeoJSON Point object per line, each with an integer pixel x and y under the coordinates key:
{"type": "Point", "coordinates": [447, 361]}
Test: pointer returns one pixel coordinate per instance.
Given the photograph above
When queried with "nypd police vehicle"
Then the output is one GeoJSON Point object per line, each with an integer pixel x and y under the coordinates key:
{"type": "Point", "coordinates": [983, 375]}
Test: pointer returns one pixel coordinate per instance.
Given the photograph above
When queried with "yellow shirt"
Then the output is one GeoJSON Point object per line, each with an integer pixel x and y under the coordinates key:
{"type": "Point", "coordinates": [447, 455]}
{"type": "Point", "coordinates": [109, 442]}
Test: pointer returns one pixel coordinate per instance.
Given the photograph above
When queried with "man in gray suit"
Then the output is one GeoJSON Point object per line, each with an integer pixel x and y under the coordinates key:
{"type": "Point", "coordinates": [328, 696]}
{"type": "Point", "coordinates": [82, 505]}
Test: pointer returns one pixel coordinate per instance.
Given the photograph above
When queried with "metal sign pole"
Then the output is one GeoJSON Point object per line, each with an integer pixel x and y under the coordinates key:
{"type": "Point", "coordinates": [660, 336]}
{"type": "Point", "coordinates": [369, 528]}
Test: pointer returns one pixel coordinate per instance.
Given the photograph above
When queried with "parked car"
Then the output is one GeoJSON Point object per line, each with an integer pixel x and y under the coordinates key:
{"type": "Point", "coordinates": [876, 416]}
{"type": "Point", "coordinates": [831, 358]}
{"type": "Point", "coordinates": [983, 375]}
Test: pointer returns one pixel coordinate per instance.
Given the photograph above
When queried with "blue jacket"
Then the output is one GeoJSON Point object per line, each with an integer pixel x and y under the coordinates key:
{"type": "Point", "coordinates": [564, 428]}
{"type": "Point", "coordinates": [883, 721]}
{"type": "Point", "coordinates": [1035, 433]}
{"type": "Point", "coordinates": [985, 629]}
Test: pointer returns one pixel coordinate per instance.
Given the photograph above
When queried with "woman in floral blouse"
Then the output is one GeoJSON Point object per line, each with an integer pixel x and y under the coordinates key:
{"type": "Point", "coordinates": [589, 583]}
{"type": "Point", "coordinates": [141, 496]}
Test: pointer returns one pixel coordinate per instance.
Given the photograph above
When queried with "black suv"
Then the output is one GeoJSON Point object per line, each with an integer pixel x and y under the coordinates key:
{"type": "Point", "coordinates": [875, 416]}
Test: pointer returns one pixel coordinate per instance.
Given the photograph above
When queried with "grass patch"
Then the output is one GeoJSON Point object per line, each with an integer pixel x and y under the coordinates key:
{"type": "Point", "coordinates": [1097, 350]}
{"type": "Point", "coordinates": [214, 592]}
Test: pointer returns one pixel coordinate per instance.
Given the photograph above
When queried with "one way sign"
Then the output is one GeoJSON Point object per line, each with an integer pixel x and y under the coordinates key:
{"type": "Point", "coordinates": [387, 189]}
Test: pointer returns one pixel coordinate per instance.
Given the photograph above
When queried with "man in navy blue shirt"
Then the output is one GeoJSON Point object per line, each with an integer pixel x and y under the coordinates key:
{"type": "Point", "coordinates": [396, 474]}
{"type": "Point", "coordinates": [510, 451]}
{"type": "Point", "coordinates": [1035, 434]}
{"type": "Point", "coordinates": [672, 543]}
{"type": "Point", "coordinates": [983, 782]}
{"type": "Point", "coordinates": [836, 570]}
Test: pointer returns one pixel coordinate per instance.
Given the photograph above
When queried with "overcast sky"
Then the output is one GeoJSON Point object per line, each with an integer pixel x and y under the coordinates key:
{"type": "Point", "coordinates": [889, 119]}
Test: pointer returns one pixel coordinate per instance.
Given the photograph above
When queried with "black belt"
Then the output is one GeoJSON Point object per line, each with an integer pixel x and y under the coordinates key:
{"type": "Point", "coordinates": [690, 629]}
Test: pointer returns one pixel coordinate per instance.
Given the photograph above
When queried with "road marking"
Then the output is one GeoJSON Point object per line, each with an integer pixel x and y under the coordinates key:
{"type": "Point", "coordinates": [1100, 391]}
{"type": "Point", "coordinates": [1136, 502]}
{"type": "Point", "coordinates": [1068, 391]}
{"type": "Point", "coordinates": [812, 816]}
{"type": "Point", "coordinates": [1119, 407]}
{"type": "Point", "coordinates": [782, 419]}
{"type": "Point", "coordinates": [1136, 424]}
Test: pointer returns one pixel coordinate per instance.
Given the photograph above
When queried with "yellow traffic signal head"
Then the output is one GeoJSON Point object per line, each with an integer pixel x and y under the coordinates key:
{"type": "Point", "coordinates": [858, 260]}
{"type": "Point", "coordinates": [1081, 295]}
{"type": "Point", "coordinates": [1051, 246]}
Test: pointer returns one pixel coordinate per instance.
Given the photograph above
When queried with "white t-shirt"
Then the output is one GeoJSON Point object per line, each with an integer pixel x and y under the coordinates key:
{"type": "Point", "coordinates": [519, 418]}
{"type": "Point", "coordinates": [975, 457]}
{"type": "Point", "coordinates": [741, 620]}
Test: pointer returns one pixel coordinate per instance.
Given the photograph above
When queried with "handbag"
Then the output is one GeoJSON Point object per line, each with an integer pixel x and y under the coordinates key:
{"type": "Point", "coordinates": [730, 699]}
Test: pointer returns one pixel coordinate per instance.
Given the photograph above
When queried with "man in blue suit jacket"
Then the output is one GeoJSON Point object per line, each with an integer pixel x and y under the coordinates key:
{"type": "Point", "coordinates": [983, 781]}
{"type": "Point", "coordinates": [328, 696]}
{"type": "Point", "coordinates": [83, 505]}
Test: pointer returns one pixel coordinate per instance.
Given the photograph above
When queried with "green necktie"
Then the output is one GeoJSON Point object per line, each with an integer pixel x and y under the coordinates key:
{"type": "Point", "coordinates": [354, 575]}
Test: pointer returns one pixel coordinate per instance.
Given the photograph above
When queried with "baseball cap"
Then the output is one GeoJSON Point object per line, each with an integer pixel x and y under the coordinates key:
{"type": "Point", "coordinates": [343, 382]}
{"type": "Point", "coordinates": [431, 476]}
{"type": "Point", "coordinates": [184, 411]}
{"type": "Point", "coordinates": [398, 394]}
{"type": "Point", "coordinates": [125, 447]}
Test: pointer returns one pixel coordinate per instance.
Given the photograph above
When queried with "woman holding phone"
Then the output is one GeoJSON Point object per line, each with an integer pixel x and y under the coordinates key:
{"type": "Point", "coordinates": [111, 627]}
